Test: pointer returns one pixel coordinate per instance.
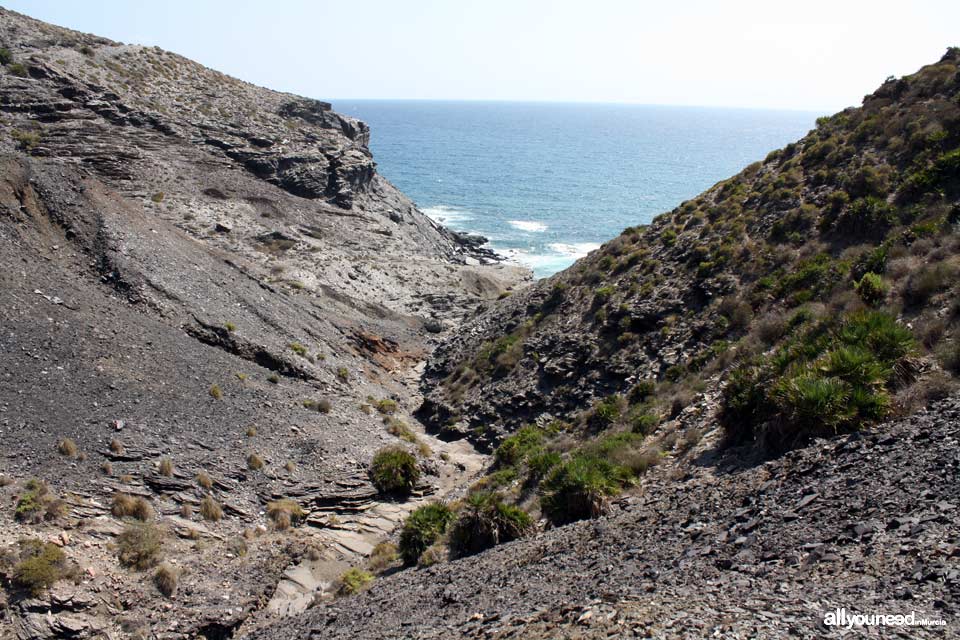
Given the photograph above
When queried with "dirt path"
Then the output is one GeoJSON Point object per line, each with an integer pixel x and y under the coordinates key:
{"type": "Point", "coordinates": [347, 540]}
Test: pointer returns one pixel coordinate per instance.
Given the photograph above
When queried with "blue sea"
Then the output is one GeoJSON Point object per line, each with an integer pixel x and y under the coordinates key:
{"type": "Point", "coordinates": [549, 182]}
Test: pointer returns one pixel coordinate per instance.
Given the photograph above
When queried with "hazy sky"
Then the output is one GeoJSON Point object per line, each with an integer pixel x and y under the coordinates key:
{"type": "Point", "coordinates": [811, 54]}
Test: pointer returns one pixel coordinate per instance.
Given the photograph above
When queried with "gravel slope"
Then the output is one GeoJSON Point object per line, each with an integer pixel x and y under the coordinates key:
{"type": "Point", "coordinates": [868, 522]}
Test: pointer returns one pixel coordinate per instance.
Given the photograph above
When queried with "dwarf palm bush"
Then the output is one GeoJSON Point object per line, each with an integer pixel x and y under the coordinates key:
{"type": "Point", "coordinates": [394, 470]}
{"type": "Point", "coordinates": [579, 488]}
{"type": "Point", "coordinates": [487, 521]}
{"type": "Point", "coordinates": [422, 528]}
{"type": "Point", "coordinates": [879, 332]}
{"type": "Point", "coordinates": [871, 289]}
{"type": "Point", "coordinates": [827, 380]}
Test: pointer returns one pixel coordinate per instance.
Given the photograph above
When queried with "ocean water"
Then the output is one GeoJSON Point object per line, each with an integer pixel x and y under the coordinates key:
{"type": "Point", "coordinates": [547, 182]}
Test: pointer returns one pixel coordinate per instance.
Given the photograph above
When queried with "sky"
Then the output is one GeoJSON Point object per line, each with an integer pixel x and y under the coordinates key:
{"type": "Point", "coordinates": [813, 55]}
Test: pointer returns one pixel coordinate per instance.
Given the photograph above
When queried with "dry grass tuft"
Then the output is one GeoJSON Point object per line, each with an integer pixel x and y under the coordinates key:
{"type": "Point", "coordinates": [204, 480]}
{"type": "Point", "coordinates": [67, 447]}
{"type": "Point", "coordinates": [166, 579]}
{"type": "Point", "coordinates": [210, 509]}
{"type": "Point", "coordinates": [127, 506]}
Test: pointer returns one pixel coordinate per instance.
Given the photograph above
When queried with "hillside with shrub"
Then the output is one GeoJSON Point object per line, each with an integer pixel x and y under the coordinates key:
{"type": "Point", "coordinates": [723, 424]}
{"type": "Point", "coordinates": [812, 294]}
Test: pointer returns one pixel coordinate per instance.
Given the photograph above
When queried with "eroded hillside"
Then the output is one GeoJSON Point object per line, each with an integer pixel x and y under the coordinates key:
{"type": "Point", "coordinates": [210, 303]}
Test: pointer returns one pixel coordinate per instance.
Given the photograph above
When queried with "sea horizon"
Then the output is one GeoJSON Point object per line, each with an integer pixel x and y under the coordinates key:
{"type": "Point", "coordinates": [614, 103]}
{"type": "Point", "coordinates": [548, 182]}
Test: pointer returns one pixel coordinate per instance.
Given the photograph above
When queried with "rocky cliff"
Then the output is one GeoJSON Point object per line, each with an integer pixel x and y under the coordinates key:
{"type": "Point", "coordinates": [204, 288]}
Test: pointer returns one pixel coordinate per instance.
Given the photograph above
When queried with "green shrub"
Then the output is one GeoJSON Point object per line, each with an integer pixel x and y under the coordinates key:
{"type": "Point", "coordinates": [500, 478]}
{"type": "Point", "coordinates": [950, 357]}
{"type": "Point", "coordinates": [607, 411]}
{"type": "Point", "coordinates": [557, 295]}
{"type": "Point", "coordinates": [41, 565]}
{"type": "Point", "coordinates": [515, 449]}
{"type": "Point", "coordinates": [602, 295]}
{"type": "Point", "coordinates": [607, 445]}
{"type": "Point", "coordinates": [938, 176]}
{"type": "Point", "coordinates": [644, 422]}
{"type": "Point", "coordinates": [873, 261]}
{"type": "Point", "coordinates": [26, 140]}
{"type": "Point", "coordinates": [869, 216]}
{"type": "Point", "coordinates": [298, 349]}
{"type": "Point", "coordinates": [925, 283]}
{"type": "Point", "coordinates": [486, 521]}
{"type": "Point", "coordinates": [394, 470]}
{"type": "Point", "coordinates": [387, 406]}
{"type": "Point", "coordinates": [422, 528]}
{"type": "Point", "coordinates": [814, 273]}
{"type": "Point", "coordinates": [578, 488]}
{"type": "Point", "coordinates": [5, 56]}
{"type": "Point", "coordinates": [642, 391]}
{"type": "Point", "coordinates": [503, 354]}
{"type": "Point", "coordinates": [822, 382]}
{"type": "Point", "coordinates": [354, 581]}
{"type": "Point", "coordinates": [139, 545]}
{"type": "Point", "coordinates": [737, 312]}
{"type": "Point", "coordinates": [18, 69]}
{"type": "Point", "coordinates": [32, 502]}
{"type": "Point", "coordinates": [400, 429]}
{"type": "Point", "coordinates": [871, 289]}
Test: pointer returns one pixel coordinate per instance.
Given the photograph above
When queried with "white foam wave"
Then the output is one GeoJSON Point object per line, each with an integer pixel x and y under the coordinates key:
{"type": "Point", "coordinates": [448, 216]}
{"type": "Point", "coordinates": [574, 250]}
{"type": "Point", "coordinates": [560, 256]}
{"type": "Point", "coordinates": [531, 226]}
